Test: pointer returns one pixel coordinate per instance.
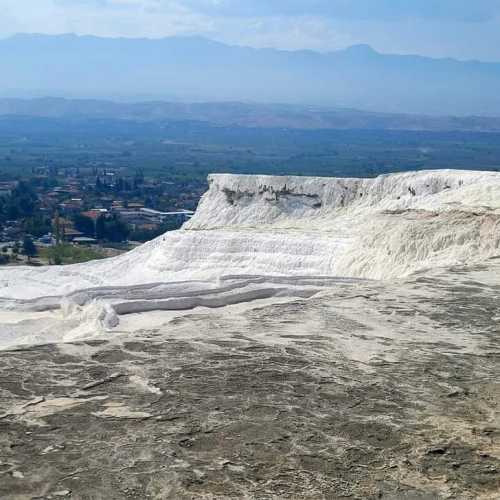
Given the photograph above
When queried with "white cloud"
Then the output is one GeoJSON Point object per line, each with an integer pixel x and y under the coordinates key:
{"type": "Point", "coordinates": [295, 33]}
{"type": "Point", "coordinates": [289, 24]}
{"type": "Point", "coordinates": [458, 10]}
{"type": "Point", "coordinates": [101, 17]}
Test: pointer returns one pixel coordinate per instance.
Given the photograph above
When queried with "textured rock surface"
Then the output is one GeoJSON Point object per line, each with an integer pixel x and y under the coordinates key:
{"type": "Point", "coordinates": [247, 200]}
{"type": "Point", "coordinates": [367, 390]}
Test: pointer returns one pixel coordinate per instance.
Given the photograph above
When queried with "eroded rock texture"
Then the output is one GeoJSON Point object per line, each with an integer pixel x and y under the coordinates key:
{"type": "Point", "coordinates": [365, 391]}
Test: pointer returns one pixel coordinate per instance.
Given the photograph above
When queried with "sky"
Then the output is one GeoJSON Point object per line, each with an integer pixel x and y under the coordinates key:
{"type": "Point", "coordinates": [462, 29]}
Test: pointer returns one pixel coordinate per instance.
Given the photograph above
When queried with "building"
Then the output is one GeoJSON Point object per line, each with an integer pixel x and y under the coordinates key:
{"type": "Point", "coordinates": [6, 188]}
{"type": "Point", "coordinates": [143, 218]}
{"type": "Point", "coordinates": [46, 240]}
{"type": "Point", "coordinates": [84, 240]}
{"type": "Point", "coordinates": [95, 213]}
{"type": "Point", "coordinates": [179, 216]}
{"type": "Point", "coordinates": [72, 206]}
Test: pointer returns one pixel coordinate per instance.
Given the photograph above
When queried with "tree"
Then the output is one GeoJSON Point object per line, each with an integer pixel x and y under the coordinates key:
{"type": "Point", "coordinates": [29, 248]}
{"type": "Point", "coordinates": [22, 201]}
{"type": "Point", "coordinates": [37, 225]}
{"type": "Point", "coordinates": [112, 229]}
{"type": "Point", "coordinates": [57, 228]}
{"type": "Point", "coordinates": [15, 250]}
{"type": "Point", "coordinates": [85, 225]}
{"type": "Point", "coordinates": [116, 230]}
{"type": "Point", "coordinates": [119, 185]}
{"type": "Point", "coordinates": [100, 228]}
{"type": "Point", "coordinates": [138, 178]}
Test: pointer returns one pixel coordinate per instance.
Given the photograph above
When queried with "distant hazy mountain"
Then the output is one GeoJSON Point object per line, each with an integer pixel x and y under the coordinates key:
{"type": "Point", "coordinates": [197, 69]}
{"type": "Point", "coordinates": [242, 115]}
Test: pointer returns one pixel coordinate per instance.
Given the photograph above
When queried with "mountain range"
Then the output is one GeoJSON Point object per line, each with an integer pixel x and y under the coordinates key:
{"type": "Point", "coordinates": [196, 69]}
{"type": "Point", "coordinates": [238, 114]}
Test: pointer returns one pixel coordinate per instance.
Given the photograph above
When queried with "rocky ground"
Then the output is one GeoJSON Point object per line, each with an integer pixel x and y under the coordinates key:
{"type": "Point", "coordinates": [368, 391]}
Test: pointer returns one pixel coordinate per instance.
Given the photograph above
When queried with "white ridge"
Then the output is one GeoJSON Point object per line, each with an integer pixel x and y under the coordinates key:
{"type": "Point", "coordinates": [264, 236]}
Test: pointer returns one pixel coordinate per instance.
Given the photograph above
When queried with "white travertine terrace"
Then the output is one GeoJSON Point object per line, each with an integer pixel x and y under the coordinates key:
{"type": "Point", "coordinates": [263, 236]}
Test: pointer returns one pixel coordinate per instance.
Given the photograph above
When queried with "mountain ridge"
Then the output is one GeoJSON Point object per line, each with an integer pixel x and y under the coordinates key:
{"type": "Point", "coordinates": [199, 69]}
{"type": "Point", "coordinates": [360, 48]}
{"type": "Point", "coordinates": [241, 114]}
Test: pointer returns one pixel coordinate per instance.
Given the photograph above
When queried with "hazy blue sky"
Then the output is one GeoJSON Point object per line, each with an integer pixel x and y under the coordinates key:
{"type": "Point", "coordinates": [465, 29]}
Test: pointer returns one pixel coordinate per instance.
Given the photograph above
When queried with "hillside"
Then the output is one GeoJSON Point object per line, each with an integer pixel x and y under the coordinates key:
{"type": "Point", "coordinates": [238, 114]}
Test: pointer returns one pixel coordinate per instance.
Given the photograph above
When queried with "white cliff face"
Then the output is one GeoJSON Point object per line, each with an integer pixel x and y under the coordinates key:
{"type": "Point", "coordinates": [244, 200]}
{"type": "Point", "coordinates": [379, 228]}
{"type": "Point", "coordinates": [279, 230]}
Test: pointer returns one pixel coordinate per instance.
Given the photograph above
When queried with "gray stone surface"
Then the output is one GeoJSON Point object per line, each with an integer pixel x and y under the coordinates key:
{"type": "Point", "coordinates": [369, 391]}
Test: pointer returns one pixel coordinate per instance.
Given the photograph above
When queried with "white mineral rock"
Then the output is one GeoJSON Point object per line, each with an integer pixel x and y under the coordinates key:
{"type": "Point", "coordinates": [256, 237]}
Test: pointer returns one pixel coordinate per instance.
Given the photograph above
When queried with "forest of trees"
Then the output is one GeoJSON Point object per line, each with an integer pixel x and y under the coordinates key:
{"type": "Point", "coordinates": [21, 202]}
{"type": "Point", "coordinates": [105, 228]}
